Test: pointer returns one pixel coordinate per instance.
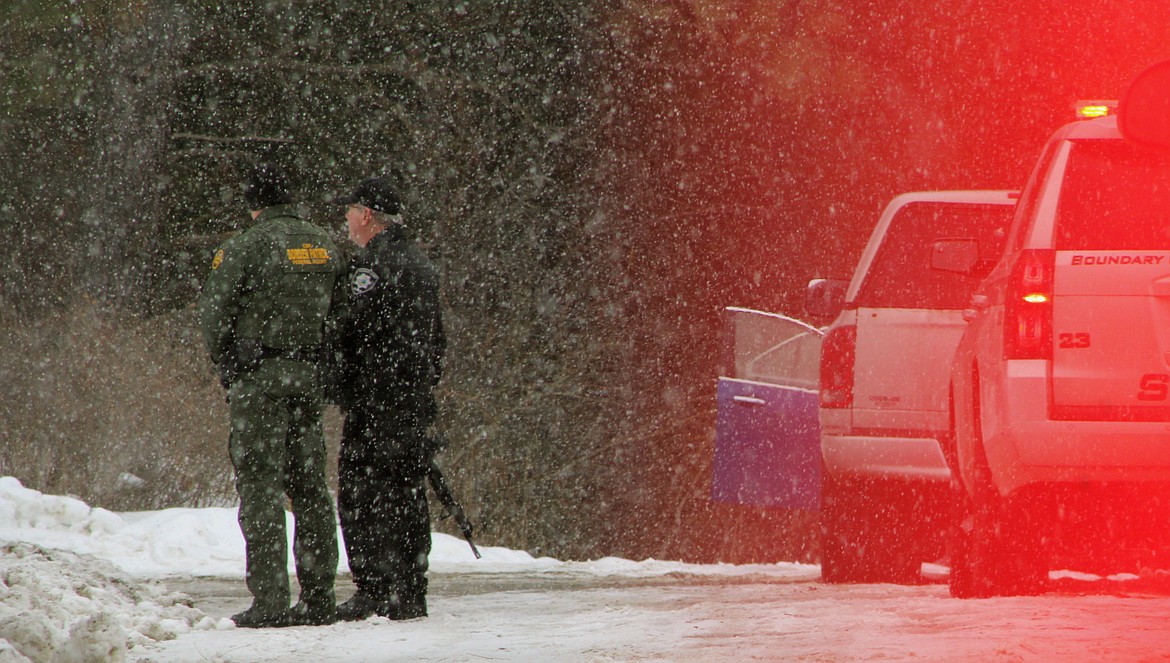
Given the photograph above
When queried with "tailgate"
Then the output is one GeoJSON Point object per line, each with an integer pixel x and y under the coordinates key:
{"type": "Point", "coordinates": [903, 367]}
{"type": "Point", "coordinates": [1111, 336]}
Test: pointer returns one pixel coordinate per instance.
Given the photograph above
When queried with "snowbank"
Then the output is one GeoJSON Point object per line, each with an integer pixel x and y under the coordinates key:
{"type": "Point", "coordinates": [65, 607]}
{"type": "Point", "coordinates": [60, 607]}
{"type": "Point", "coordinates": [208, 543]}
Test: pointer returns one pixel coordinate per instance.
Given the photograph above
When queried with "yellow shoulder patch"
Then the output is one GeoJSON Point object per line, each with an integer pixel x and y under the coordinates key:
{"type": "Point", "coordinates": [308, 255]}
{"type": "Point", "coordinates": [217, 260]}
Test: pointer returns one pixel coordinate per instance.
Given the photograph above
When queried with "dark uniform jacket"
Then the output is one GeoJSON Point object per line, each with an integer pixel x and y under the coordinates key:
{"type": "Point", "coordinates": [389, 343]}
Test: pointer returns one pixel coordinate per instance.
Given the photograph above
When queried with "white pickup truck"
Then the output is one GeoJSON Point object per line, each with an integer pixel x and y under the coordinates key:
{"type": "Point", "coordinates": [884, 370]}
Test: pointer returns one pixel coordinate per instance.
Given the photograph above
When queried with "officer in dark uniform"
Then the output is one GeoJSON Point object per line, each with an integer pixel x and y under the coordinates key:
{"type": "Point", "coordinates": [388, 353]}
{"type": "Point", "coordinates": [262, 314]}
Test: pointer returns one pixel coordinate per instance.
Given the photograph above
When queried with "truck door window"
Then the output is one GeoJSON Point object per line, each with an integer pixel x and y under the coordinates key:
{"type": "Point", "coordinates": [766, 347]}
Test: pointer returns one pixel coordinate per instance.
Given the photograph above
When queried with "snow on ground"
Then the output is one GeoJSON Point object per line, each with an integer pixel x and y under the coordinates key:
{"type": "Point", "coordinates": [82, 584]}
{"type": "Point", "coordinates": [75, 580]}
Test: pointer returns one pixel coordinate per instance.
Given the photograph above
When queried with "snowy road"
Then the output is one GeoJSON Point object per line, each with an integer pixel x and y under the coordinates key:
{"type": "Point", "coordinates": [534, 617]}
{"type": "Point", "coordinates": [81, 584]}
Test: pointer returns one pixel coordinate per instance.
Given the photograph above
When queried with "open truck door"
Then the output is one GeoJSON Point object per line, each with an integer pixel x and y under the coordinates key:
{"type": "Point", "coordinates": [767, 439]}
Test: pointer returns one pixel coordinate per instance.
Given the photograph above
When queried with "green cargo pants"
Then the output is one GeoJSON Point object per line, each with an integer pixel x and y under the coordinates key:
{"type": "Point", "coordinates": [277, 446]}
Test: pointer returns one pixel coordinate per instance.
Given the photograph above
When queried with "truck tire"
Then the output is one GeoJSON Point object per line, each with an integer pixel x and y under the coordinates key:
{"type": "Point", "coordinates": [996, 551]}
{"type": "Point", "coordinates": [995, 542]}
{"type": "Point", "coordinates": [866, 533]}
{"type": "Point", "coordinates": [959, 544]}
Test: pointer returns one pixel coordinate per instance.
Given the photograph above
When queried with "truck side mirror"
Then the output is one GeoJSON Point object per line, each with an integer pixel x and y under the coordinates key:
{"type": "Point", "coordinates": [825, 298]}
{"type": "Point", "coordinates": [959, 255]}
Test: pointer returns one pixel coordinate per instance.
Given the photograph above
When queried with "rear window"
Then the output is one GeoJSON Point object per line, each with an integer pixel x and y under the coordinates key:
{"type": "Point", "coordinates": [1114, 196]}
{"type": "Point", "coordinates": [901, 275]}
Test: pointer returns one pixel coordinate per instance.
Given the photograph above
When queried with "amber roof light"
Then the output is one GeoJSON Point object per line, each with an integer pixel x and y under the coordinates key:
{"type": "Point", "coordinates": [1087, 110]}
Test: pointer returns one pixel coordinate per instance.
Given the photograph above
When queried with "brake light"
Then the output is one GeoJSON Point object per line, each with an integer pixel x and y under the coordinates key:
{"type": "Point", "coordinates": [838, 352]}
{"type": "Point", "coordinates": [1028, 309]}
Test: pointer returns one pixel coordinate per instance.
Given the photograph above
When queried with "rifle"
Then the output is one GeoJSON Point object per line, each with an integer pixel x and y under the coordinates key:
{"type": "Point", "coordinates": [450, 505]}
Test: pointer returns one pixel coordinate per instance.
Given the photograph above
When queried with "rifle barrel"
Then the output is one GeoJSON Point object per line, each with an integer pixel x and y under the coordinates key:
{"type": "Point", "coordinates": [443, 491]}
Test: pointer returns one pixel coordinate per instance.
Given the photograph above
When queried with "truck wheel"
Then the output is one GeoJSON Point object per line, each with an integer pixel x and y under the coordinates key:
{"type": "Point", "coordinates": [865, 533]}
{"type": "Point", "coordinates": [962, 585]}
{"type": "Point", "coordinates": [839, 555]}
{"type": "Point", "coordinates": [1005, 550]}
{"type": "Point", "coordinates": [995, 542]}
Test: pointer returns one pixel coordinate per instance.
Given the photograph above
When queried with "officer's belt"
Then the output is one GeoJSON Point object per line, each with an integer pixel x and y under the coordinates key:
{"type": "Point", "coordinates": [295, 354]}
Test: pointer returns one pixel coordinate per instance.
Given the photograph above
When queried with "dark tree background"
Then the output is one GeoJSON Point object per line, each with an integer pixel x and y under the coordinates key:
{"type": "Point", "coordinates": [596, 179]}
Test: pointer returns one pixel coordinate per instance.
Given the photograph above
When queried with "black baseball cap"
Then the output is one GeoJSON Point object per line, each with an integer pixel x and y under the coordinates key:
{"type": "Point", "coordinates": [266, 186]}
{"type": "Point", "coordinates": [374, 192]}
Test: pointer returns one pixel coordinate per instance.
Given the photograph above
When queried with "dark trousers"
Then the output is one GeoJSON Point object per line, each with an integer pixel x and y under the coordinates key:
{"type": "Point", "coordinates": [382, 502]}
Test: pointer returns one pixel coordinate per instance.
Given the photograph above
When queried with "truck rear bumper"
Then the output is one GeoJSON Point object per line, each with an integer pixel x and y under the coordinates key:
{"type": "Point", "coordinates": [884, 457]}
{"type": "Point", "coordinates": [1024, 446]}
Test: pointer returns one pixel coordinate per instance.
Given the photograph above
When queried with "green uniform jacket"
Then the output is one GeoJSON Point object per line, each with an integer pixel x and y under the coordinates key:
{"type": "Point", "coordinates": [271, 289]}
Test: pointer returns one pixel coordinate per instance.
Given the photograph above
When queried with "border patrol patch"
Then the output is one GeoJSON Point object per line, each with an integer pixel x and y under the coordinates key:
{"type": "Point", "coordinates": [308, 254]}
{"type": "Point", "coordinates": [363, 281]}
{"type": "Point", "coordinates": [217, 260]}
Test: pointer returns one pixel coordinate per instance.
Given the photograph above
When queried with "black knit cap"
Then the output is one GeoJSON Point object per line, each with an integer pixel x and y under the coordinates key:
{"type": "Point", "coordinates": [266, 186]}
{"type": "Point", "coordinates": [374, 192]}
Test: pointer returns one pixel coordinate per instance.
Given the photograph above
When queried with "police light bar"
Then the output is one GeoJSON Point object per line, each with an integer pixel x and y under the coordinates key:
{"type": "Point", "coordinates": [1089, 109]}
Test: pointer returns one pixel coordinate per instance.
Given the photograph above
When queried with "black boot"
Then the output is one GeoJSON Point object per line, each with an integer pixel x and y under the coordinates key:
{"type": "Point", "coordinates": [359, 607]}
{"type": "Point", "coordinates": [257, 617]}
{"type": "Point", "coordinates": [410, 609]}
{"type": "Point", "coordinates": [302, 614]}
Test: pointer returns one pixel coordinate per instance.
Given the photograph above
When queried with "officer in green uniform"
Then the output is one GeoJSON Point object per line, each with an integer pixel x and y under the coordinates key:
{"type": "Point", "coordinates": [262, 314]}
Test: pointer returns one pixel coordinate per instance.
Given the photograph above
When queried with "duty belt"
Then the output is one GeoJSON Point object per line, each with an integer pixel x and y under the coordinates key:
{"type": "Point", "coordinates": [295, 354]}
